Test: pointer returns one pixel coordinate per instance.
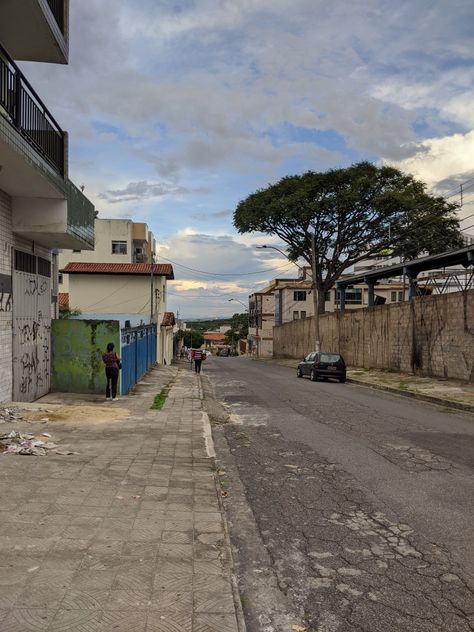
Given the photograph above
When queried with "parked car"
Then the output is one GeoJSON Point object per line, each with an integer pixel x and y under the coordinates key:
{"type": "Point", "coordinates": [322, 364]}
{"type": "Point", "coordinates": [223, 353]}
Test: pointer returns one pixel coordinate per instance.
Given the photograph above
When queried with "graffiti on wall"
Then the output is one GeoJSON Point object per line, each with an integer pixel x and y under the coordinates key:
{"type": "Point", "coordinates": [6, 298]}
{"type": "Point", "coordinates": [36, 286]}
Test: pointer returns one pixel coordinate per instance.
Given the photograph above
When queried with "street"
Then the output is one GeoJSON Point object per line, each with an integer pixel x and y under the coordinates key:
{"type": "Point", "coordinates": [349, 508]}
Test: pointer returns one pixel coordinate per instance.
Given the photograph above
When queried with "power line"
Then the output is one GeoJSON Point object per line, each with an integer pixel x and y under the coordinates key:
{"type": "Point", "coordinates": [221, 274]}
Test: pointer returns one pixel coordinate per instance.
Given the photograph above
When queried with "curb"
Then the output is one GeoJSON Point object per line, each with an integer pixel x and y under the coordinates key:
{"type": "Point", "coordinates": [207, 434]}
{"type": "Point", "coordinates": [425, 398]}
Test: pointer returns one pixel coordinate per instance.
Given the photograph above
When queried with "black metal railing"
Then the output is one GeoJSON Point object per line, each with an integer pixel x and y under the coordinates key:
{"type": "Point", "coordinates": [20, 104]}
{"type": "Point", "coordinates": [57, 9]}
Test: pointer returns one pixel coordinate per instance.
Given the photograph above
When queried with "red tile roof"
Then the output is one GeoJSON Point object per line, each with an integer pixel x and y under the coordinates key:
{"type": "Point", "coordinates": [160, 269]}
{"type": "Point", "coordinates": [168, 319]}
{"type": "Point", "coordinates": [214, 336]}
{"type": "Point", "coordinates": [63, 299]}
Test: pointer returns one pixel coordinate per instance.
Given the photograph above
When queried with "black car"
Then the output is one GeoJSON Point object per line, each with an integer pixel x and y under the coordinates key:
{"type": "Point", "coordinates": [322, 364]}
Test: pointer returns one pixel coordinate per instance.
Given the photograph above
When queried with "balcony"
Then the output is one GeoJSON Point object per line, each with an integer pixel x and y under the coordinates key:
{"type": "Point", "coordinates": [35, 30]}
{"type": "Point", "coordinates": [57, 9]}
{"type": "Point", "coordinates": [25, 111]}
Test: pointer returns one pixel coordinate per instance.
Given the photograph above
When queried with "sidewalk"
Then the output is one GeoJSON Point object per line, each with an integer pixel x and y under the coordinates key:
{"type": "Point", "coordinates": [451, 393]}
{"type": "Point", "coordinates": [127, 535]}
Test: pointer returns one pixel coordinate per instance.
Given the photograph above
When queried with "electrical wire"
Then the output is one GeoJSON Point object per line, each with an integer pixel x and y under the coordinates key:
{"type": "Point", "coordinates": [217, 274]}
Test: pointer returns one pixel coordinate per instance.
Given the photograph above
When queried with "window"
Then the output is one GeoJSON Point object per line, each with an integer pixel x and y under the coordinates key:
{"type": "Point", "coordinates": [24, 262]}
{"type": "Point", "coordinates": [44, 267]}
{"type": "Point", "coordinates": [296, 315]}
{"type": "Point", "coordinates": [353, 296]}
{"type": "Point", "coordinates": [76, 250]}
{"type": "Point", "coordinates": [119, 247]}
{"type": "Point", "coordinates": [327, 296]}
{"type": "Point", "coordinates": [400, 296]}
{"type": "Point", "coordinates": [60, 278]}
{"type": "Point", "coordinates": [393, 296]}
{"type": "Point", "coordinates": [310, 357]}
{"type": "Point", "coordinates": [303, 314]}
{"type": "Point", "coordinates": [299, 295]}
{"type": "Point", "coordinates": [329, 358]}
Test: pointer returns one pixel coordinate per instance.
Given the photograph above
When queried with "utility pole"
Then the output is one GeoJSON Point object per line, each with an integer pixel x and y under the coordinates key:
{"type": "Point", "coordinates": [152, 290]}
{"type": "Point", "coordinates": [315, 292]}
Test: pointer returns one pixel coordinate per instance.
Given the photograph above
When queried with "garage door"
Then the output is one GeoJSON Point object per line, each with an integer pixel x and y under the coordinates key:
{"type": "Point", "coordinates": [31, 326]}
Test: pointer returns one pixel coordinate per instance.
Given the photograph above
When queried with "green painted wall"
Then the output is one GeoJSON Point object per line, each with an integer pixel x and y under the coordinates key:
{"type": "Point", "coordinates": [77, 348]}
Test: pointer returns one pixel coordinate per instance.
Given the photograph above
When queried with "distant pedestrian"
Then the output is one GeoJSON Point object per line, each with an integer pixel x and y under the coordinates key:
{"type": "Point", "coordinates": [196, 355]}
{"type": "Point", "coordinates": [112, 366]}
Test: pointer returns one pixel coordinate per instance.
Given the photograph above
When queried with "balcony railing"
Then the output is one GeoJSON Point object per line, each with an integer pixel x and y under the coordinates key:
{"type": "Point", "coordinates": [20, 104]}
{"type": "Point", "coordinates": [57, 9]}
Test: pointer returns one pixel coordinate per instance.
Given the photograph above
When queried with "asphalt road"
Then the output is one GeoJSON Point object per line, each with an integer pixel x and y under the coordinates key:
{"type": "Point", "coordinates": [349, 508]}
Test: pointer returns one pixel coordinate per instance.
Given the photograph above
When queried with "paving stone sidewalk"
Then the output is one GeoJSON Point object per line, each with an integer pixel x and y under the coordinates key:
{"type": "Point", "coordinates": [126, 536]}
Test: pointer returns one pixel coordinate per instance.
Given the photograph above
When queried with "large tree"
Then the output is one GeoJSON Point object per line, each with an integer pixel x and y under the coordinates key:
{"type": "Point", "coordinates": [353, 213]}
{"type": "Point", "coordinates": [239, 329]}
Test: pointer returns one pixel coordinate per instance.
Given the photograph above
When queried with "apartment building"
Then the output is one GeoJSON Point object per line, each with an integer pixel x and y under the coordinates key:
{"type": "Point", "coordinates": [116, 241]}
{"type": "Point", "coordinates": [119, 280]}
{"type": "Point", "coordinates": [40, 208]}
{"type": "Point", "coordinates": [291, 299]}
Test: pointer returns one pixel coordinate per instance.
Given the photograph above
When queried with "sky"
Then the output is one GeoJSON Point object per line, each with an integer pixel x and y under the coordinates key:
{"type": "Point", "coordinates": [178, 109]}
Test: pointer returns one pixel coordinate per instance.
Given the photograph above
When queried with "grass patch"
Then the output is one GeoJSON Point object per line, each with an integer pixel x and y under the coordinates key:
{"type": "Point", "coordinates": [160, 400]}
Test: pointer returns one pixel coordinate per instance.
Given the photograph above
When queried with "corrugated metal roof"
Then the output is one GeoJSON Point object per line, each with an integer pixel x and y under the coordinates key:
{"type": "Point", "coordinates": [160, 269]}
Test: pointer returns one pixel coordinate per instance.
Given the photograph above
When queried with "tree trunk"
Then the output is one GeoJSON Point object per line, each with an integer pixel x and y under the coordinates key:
{"type": "Point", "coordinates": [321, 300]}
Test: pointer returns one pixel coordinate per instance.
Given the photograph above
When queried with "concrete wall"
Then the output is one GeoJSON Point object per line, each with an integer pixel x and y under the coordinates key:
{"type": "Point", "coordinates": [429, 335]}
{"type": "Point", "coordinates": [77, 347]}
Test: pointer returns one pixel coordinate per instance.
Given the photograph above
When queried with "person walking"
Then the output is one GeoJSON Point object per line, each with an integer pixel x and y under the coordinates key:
{"type": "Point", "coordinates": [112, 366]}
{"type": "Point", "coordinates": [196, 355]}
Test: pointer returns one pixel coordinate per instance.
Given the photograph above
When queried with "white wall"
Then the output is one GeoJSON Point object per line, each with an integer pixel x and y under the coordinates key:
{"type": "Point", "coordinates": [106, 231]}
{"type": "Point", "coordinates": [8, 242]}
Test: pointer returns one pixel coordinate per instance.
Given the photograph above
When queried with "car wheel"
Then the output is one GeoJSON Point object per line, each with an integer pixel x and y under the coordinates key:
{"type": "Point", "coordinates": [342, 380]}
{"type": "Point", "coordinates": [298, 372]}
{"type": "Point", "coordinates": [313, 377]}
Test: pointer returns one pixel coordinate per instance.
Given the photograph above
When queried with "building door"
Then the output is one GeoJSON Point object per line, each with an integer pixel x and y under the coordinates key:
{"type": "Point", "coordinates": [31, 326]}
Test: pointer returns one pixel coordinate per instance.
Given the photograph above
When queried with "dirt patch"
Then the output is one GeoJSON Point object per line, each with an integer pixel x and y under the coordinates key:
{"type": "Point", "coordinates": [90, 415]}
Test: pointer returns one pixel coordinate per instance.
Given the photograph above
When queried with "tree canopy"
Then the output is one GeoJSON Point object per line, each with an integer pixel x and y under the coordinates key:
{"type": "Point", "coordinates": [239, 328]}
{"type": "Point", "coordinates": [354, 213]}
{"type": "Point", "coordinates": [191, 338]}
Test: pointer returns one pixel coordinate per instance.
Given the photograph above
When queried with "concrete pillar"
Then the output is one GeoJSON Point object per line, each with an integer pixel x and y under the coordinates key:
{"type": "Point", "coordinates": [371, 291]}
{"type": "Point", "coordinates": [412, 282]}
{"type": "Point", "coordinates": [342, 296]}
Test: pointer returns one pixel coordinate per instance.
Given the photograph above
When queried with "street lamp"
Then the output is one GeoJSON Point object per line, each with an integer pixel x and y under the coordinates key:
{"type": "Point", "coordinates": [281, 252]}
{"type": "Point", "coordinates": [237, 301]}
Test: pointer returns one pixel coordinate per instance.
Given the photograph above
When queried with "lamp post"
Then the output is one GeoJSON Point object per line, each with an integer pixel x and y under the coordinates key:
{"type": "Point", "coordinates": [314, 287]}
{"type": "Point", "coordinates": [237, 301]}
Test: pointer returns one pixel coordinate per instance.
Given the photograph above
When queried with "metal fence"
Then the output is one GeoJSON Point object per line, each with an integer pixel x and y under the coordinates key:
{"type": "Point", "coordinates": [20, 104]}
{"type": "Point", "coordinates": [138, 354]}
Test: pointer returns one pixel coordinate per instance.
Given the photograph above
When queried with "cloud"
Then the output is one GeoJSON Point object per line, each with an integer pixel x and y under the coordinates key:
{"type": "Point", "coordinates": [211, 269]}
{"type": "Point", "coordinates": [442, 160]}
{"type": "Point", "coordinates": [135, 191]}
{"type": "Point", "coordinates": [203, 217]}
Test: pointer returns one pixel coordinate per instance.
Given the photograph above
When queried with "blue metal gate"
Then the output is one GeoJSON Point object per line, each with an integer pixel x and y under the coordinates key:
{"type": "Point", "coordinates": [138, 354]}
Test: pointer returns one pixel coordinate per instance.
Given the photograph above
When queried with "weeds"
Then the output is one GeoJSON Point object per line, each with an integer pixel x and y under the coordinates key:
{"type": "Point", "coordinates": [159, 400]}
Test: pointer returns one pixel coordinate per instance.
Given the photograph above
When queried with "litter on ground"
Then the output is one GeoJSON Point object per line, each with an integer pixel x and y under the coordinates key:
{"type": "Point", "coordinates": [10, 415]}
{"type": "Point", "coordinates": [27, 444]}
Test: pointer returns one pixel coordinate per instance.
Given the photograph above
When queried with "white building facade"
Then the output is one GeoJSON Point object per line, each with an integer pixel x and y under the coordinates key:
{"type": "Point", "coordinates": [40, 208]}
